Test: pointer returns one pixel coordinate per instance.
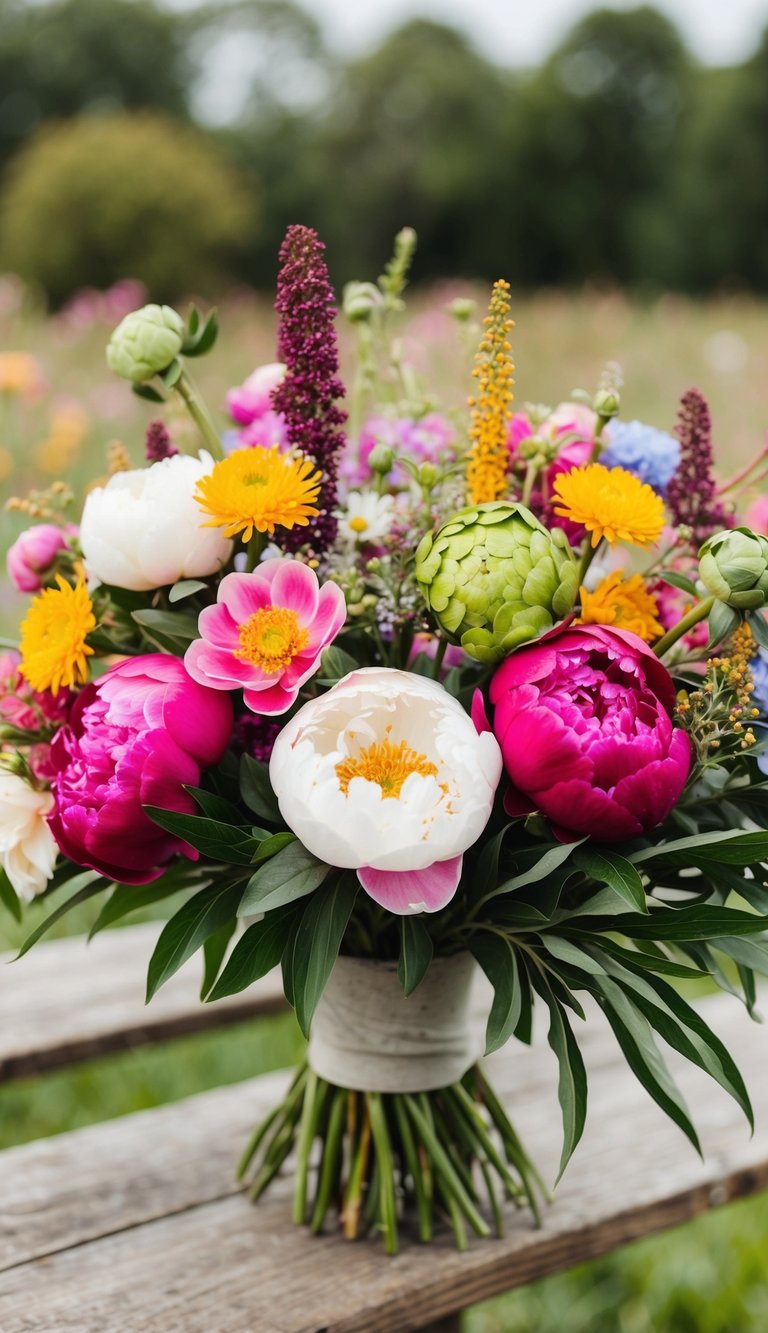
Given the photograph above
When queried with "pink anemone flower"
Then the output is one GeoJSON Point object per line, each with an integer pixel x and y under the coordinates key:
{"type": "Point", "coordinates": [265, 634]}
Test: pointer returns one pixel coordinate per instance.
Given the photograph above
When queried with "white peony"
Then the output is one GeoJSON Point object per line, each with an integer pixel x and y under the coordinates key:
{"type": "Point", "coordinates": [28, 849]}
{"type": "Point", "coordinates": [386, 774]}
{"type": "Point", "coordinates": [144, 529]}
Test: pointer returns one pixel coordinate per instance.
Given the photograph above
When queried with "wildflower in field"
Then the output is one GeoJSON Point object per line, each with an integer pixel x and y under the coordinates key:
{"type": "Point", "coordinates": [366, 517]}
{"type": "Point", "coordinates": [611, 504]}
{"type": "Point", "coordinates": [488, 458]}
{"type": "Point", "coordinates": [20, 374]}
{"type": "Point", "coordinates": [54, 648]}
{"type": "Point", "coordinates": [692, 492]}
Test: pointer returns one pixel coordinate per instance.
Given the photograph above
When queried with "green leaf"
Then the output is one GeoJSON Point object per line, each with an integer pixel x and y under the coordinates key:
{"type": "Point", "coordinates": [750, 953]}
{"type": "Point", "coordinates": [198, 342]}
{"type": "Point", "coordinates": [487, 869]}
{"type": "Point", "coordinates": [272, 845]}
{"type": "Point", "coordinates": [127, 898]}
{"type": "Point", "coordinates": [552, 858]}
{"type": "Point", "coordinates": [739, 849]}
{"type": "Point", "coordinates": [690, 923]}
{"type": "Point", "coordinates": [608, 867]}
{"type": "Point", "coordinates": [147, 392]}
{"type": "Point", "coordinates": [172, 374]}
{"type": "Point", "coordinates": [684, 1030]}
{"type": "Point", "coordinates": [258, 950]}
{"type": "Point", "coordinates": [185, 588]}
{"type": "Point", "coordinates": [568, 952]}
{"type": "Point", "coordinates": [677, 581]}
{"type": "Point", "coordinates": [649, 962]}
{"type": "Point", "coordinates": [723, 620]}
{"type": "Point", "coordinates": [216, 807]}
{"type": "Point", "coordinates": [192, 925]}
{"type": "Point", "coordinates": [217, 840]}
{"type": "Point", "coordinates": [317, 943]}
{"type": "Point", "coordinates": [498, 959]}
{"type": "Point", "coordinates": [180, 626]}
{"type": "Point", "coordinates": [635, 1037]}
{"type": "Point", "coordinates": [572, 1081]}
{"type": "Point", "coordinates": [214, 949]}
{"type": "Point", "coordinates": [256, 789]}
{"type": "Point", "coordinates": [759, 628]}
{"type": "Point", "coordinates": [291, 874]}
{"type": "Point", "coordinates": [85, 886]}
{"type": "Point", "coordinates": [9, 897]}
{"type": "Point", "coordinates": [335, 664]}
{"type": "Point", "coordinates": [416, 950]}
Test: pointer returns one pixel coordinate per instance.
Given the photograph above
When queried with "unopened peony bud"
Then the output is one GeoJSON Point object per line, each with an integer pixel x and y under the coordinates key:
{"type": "Point", "coordinates": [733, 566]}
{"type": "Point", "coordinates": [607, 403]}
{"type": "Point", "coordinates": [145, 343]}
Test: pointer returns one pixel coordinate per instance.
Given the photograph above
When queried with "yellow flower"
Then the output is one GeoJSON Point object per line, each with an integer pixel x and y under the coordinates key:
{"type": "Point", "coordinates": [626, 604]}
{"type": "Point", "coordinates": [54, 652]}
{"type": "Point", "coordinates": [610, 503]}
{"type": "Point", "coordinates": [259, 489]}
{"type": "Point", "coordinates": [488, 457]}
{"type": "Point", "coordinates": [19, 373]}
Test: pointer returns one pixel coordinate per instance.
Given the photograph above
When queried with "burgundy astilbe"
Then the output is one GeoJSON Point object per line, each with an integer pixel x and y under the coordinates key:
{"type": "Point", "coordinates": [692, 494]}
{"type": "Point", "coordinates": [158, 443]}
{"type": "Point", "coordinates": [306, 343]}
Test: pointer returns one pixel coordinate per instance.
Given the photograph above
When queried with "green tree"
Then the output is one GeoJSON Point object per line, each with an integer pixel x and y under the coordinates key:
{"type": "Point", "coordinates": [598, 141]}
{"type": "Point", "coordinates": [59, 59]}
{"type": "Point", "coordinates": [96, 199]}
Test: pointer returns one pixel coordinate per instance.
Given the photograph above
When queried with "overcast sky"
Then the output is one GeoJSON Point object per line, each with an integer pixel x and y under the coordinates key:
{"type": "Point", "coordinates": [522, 32]}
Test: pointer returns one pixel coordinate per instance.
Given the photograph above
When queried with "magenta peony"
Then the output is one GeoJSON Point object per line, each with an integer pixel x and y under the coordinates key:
{"type": "Point", "coordinates": [33, 555]}
{"type": "Point", "coordinates": [135, 738]}
{"type": "Point", "coordinates": [584, 721]}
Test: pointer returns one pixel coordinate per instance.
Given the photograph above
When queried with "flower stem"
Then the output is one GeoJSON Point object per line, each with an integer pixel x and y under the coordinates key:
{"type": "Point", "coordinates": [438, 659]}
{"type": "Point", "coordinates": [688, 621]}
{"type": "Point", "coordinates": [199, 414]}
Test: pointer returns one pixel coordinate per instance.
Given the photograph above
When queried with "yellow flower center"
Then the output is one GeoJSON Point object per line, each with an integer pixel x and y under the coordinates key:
{"type": "Point", "coordinates": [271, 638]}
{"type": "Point", "coordinates": [387, 764]}
{"type": "Point", "coordinates": [358, 524]}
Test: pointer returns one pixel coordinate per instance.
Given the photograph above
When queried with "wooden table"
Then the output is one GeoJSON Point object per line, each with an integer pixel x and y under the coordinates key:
{"type": "Point", "coordinates": [136, 1224]}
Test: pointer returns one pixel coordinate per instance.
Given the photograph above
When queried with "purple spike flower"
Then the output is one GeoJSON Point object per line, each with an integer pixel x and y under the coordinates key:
{"type": "Point", "coordinates": [307, 396]}
{"type": "Point", "coordinates": [691, 494]}
{"type": "Point", "coordinates": [157, 443]}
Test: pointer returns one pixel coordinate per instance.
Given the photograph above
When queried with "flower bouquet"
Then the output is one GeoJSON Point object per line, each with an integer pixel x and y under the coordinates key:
{"type": "Point", "coordinates": [452, 690]}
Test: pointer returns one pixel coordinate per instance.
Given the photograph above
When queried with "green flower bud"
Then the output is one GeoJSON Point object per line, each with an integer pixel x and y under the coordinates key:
{"type": "Point", "coordinates": [494, 577]}
{"type": "Point", "coordinates": [462, 308]}
{"type": "Point", "coordinates": [428, 475]}
{"type": "Point", "coordinates": [733, 566]}
{"type": "Point", "coordinates": [381, 459]}
{"type": "Point", "coordinates": [360, 300]}
{"type": "Point", "coordinates": [607, 403]}
{"type": "Point", "coordinates": [145, 342]}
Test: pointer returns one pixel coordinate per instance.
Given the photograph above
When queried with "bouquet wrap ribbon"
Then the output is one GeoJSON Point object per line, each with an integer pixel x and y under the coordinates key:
{"type": "Point", "coordinates": [368, 1036]}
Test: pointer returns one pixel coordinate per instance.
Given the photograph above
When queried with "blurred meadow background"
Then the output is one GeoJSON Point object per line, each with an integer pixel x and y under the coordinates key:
{"type": "Point", "coordinates": [611, 163]}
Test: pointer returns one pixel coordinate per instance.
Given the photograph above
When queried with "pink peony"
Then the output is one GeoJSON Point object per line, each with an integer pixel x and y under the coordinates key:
{"type": "Point", "coordinates": [266, 632]}
{"type": "Point", "coordinates": [584, 721]}
{"type": "Point", "coordinates": [136, 737]}
{"type": "Point", "coordinates": [33, 555]}
{"type": "Point", "coordinates": [254, 397]}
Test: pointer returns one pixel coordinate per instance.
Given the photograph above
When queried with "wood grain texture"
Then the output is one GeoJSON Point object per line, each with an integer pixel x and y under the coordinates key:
{"type": "Point", "coordinates": [46, 1022]}
{"type": "Point", "coordinates": [135, 1226]}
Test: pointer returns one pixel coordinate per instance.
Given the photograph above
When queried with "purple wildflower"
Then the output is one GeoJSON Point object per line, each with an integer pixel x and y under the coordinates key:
{"type": "Point", "coordinates": [157, 443]}
{"type": "Point", "coordinates": [255, 736]}
{"type": "Point", "coordinates": [307, 396]}
{"type": "Point", "coordinates": [691, 494]}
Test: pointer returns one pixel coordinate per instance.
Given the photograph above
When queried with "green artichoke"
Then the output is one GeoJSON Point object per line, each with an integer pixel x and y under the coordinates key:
{"type": "Point", "coordinates": [145, 343]}
{"type": "Point", "coordinates": [494, 577]}
{"type": "Point", "coordinates": [733, 566]}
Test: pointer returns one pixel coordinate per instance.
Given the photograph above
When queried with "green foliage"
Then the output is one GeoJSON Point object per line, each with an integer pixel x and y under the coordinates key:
{"type": "Point", "coordinates": [132, 195]}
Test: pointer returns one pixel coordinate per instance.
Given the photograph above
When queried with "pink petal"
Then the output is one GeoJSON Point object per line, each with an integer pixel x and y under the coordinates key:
{"type": "Point", "coordinates": [272, 699]}
{"type": "Point", "coordinates": [243, 594]}
{"type": "Point", "coordinates": [406, 892]}
{"type": "Point", "coordinates": [215, 623]}
{"type": "Point", "coordinates": [478, 714]}
{"type": "Point", "coordinates": [295, 586]}
{"type": "Point", "coordinates": [329, 617]}
{"type": "Point", "coordinates": [586, 810]}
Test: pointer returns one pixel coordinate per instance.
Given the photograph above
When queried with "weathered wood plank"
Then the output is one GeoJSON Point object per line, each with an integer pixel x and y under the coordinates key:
{"type": "Point", "coordinates": [218, 1265]}
{"type": "Point", "coordinates": [64, 1002]}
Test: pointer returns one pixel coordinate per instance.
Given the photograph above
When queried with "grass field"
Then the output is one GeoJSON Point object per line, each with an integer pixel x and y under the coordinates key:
{"type": "Point", "coordinates": [708, 1277]}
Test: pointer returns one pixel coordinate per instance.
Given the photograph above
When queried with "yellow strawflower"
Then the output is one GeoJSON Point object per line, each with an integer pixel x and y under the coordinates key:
{"type": "Point", "coordinates": [624, 603]}
{"type": "Point", "coordinates": [259, 489]}
{"type": "Point", "coordinates": [610, 503]}
{"type": "Point", "coordinates": [488, 457]}
{"type": "Point", "coordinates": [54, 652]}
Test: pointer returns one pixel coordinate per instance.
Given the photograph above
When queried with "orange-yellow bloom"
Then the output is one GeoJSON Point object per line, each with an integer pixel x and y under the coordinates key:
{"type": "Point", "coordinates": [624, 603]}
{"type": "Point", "coordinates": [610, 503]}
{"type": "Point", "coordinates": [488, 457]}
{"type": "Point", "coordinates": [54, 652]}
{"type": "Point", "coordinates": [259, 490]}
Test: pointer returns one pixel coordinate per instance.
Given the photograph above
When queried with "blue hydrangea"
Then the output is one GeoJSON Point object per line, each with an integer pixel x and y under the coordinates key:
{"type": "Point", "coordinates": [759, 668]}
{"type": "Point", "coordinates": [650, 454]}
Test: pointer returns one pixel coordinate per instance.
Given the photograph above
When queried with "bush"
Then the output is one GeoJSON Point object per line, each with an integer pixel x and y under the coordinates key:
{"type": "Point", "coordinates": [93, 200]}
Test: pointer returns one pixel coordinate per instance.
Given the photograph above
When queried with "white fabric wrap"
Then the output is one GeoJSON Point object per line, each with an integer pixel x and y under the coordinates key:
{"type": "Point", "coordinates": [368, 1036]}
